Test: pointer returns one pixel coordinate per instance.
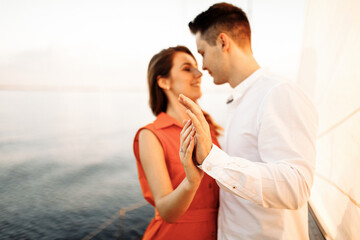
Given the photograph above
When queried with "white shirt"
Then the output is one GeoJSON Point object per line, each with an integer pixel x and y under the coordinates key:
{"type": "Point", "coordinates": [265, 171]}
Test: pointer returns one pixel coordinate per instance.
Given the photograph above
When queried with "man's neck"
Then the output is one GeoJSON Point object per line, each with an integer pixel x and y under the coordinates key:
{"type": "Point", "coordinates": [243, 67]}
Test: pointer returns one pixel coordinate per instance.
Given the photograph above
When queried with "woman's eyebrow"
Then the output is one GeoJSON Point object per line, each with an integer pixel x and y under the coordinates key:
{"type": "Point", "coordinates": [187, 63]}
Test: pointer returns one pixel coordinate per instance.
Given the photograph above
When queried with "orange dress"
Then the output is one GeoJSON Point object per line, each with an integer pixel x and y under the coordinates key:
{"type": "Point", "coordinates": [200, 220]}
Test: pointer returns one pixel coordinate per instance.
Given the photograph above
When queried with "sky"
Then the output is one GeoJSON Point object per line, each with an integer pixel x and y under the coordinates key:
{"type": "Point", "coordinates": [108, 44]}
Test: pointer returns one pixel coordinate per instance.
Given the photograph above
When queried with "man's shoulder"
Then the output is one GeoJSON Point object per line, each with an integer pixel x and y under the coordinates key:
{"type": "Point", "coordinates": [284, 92]}
{"type": "Point", "coordinates": [270, 82]}
{"type": "Point", "coordinates": [274, 87]}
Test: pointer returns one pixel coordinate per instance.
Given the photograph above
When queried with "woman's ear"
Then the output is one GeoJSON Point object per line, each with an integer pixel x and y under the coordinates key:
{"type": "Point", "coordinates": [163, 83]}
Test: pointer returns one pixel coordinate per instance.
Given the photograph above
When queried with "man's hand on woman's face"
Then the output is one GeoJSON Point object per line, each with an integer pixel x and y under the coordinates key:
{"type": "Point", "coordinates": [202, 129]}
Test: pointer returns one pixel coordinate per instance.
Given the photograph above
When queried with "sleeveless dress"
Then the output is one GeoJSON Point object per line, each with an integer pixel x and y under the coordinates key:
{"type": "Point", "coordinates": [200, 220]}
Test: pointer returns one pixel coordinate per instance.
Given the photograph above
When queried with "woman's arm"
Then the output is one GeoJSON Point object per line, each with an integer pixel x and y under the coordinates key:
{"type": "Point", "coordinates": [170, 203]}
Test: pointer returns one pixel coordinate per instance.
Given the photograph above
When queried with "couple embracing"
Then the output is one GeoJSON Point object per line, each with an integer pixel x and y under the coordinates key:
{"type": "Point", "coordinates": [257, 184]}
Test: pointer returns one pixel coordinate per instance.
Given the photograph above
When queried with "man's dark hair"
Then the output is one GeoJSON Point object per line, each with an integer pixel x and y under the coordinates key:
{"type": "Point", "coordinates": [222, 17]}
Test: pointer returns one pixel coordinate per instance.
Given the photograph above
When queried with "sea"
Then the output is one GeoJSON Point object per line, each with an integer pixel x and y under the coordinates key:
{"type": "Point", "coordinates": [67, 169]}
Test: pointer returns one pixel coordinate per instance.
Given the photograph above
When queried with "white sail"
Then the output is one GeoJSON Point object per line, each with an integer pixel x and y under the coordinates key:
{"type": "Point", "coordinates": [330, 74]}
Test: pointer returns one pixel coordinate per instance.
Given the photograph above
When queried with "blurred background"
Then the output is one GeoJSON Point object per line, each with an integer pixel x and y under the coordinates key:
{"type": "Point", "coordinates": [73, 92]}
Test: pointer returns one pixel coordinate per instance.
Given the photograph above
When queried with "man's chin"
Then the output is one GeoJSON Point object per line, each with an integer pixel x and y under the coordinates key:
{"type": "Point", "coordinates": [218, 82]}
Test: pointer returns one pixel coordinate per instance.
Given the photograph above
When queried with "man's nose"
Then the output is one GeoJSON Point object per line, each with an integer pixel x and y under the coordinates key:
{"type": "Point", "coordinates": [204, 67]}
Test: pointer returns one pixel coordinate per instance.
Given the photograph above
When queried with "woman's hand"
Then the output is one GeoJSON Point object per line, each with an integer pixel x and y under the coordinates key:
{"type": "Point", "coordinates": [187, 142]}
{"type": "Point", "coordinates": [203, 135]}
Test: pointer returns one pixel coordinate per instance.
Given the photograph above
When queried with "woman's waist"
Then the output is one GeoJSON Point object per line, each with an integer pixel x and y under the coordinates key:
{"type": "Point", "coordinates": [195, 215]}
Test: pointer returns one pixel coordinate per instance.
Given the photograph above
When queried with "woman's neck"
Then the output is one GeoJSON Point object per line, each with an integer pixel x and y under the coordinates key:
{"type": "Point", "coordinates": [177, 111]}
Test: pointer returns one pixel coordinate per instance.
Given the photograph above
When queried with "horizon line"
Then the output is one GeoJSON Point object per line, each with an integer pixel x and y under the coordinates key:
{"type": "Point", "coordinates": [79, 88]}
{"type": "Point", "coordinates": [67, 88]}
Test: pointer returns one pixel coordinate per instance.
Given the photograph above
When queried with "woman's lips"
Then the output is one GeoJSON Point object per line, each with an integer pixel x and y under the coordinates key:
{"type": "Point", "coordinates": [196, 84]}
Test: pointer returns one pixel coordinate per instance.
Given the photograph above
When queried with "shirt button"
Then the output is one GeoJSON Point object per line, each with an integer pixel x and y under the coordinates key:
{"type": "Point", "coordinates": [210, 186]}
{"type": "Point", "coordinates": [208, 168]}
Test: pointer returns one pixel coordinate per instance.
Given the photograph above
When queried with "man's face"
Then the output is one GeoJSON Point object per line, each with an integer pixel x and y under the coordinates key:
{"type": "Point", "coordinates": [213, 59]}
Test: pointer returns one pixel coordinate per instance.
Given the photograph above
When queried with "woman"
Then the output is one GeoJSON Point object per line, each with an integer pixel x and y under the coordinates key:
{"type": "Point", "coordinates": [185, 199]}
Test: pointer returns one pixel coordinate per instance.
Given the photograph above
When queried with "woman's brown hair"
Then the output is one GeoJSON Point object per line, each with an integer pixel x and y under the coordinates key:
{"type": "Point", "coordinates": [160, 66]}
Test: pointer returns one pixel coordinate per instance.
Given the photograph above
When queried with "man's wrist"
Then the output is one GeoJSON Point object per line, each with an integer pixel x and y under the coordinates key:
{"type": "Point", "coordinates": [205, 156]}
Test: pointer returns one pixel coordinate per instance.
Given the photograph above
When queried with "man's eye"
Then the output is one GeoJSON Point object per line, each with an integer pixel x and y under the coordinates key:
{"type": "Point", "coordinates": [187, 69]}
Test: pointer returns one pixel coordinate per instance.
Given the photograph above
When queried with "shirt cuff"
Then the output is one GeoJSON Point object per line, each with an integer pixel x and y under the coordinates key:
{"type": "Point", "coordinates": [228, 173]}
{"type": "Point", "coordinates": [210, 160]}
{"type": "Point", "coordinates": [215, 162]}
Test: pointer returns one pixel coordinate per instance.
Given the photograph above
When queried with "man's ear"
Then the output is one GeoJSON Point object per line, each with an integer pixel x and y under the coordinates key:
{"type": "Point", "coordinates": [224, 41]}
{"type": "Point", "coordinates": [163, 83]}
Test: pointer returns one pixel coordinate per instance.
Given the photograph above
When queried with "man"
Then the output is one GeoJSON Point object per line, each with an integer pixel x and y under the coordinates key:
{"type": "Point", "coordinates": [265, 171]}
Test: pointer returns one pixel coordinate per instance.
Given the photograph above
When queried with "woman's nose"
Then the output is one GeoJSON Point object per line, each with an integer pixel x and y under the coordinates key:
{"type": "Point", "coordinates": [197, 73]}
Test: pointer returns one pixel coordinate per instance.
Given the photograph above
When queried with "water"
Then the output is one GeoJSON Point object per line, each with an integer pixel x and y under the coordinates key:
{"type": "Point", "coordinates": [67, 167]}
{"type": "Point", "coordinates": [66, 164]}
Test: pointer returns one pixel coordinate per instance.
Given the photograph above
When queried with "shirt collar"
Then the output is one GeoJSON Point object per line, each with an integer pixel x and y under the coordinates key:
{"type": "Point", "coordinates": [240, 89]}
{"type": "Point", "coordinates": [164, 120]}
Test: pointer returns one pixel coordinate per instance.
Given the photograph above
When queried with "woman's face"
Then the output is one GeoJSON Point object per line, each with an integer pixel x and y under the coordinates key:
{"type": "Point", "coordinates": [185, 78]}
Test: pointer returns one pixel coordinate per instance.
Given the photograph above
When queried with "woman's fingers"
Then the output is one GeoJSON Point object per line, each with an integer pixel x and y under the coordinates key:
{"type": "Point", "coordinates": [186, 125]}
{"type": "Point", "coordinates": [188, 147]}
{"type": "Point", "coordinates": [185, 132]}
{"type": "Point", "coordinates": [203, 136]}
{"type": "Point", "coordinates": [186, 142]}
{"type": "Point", "coordinates": [187, 137]}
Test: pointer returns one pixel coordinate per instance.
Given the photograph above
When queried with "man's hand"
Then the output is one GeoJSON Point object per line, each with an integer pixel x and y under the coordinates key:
{"type": "Point", "coordinates": [203, 135]}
